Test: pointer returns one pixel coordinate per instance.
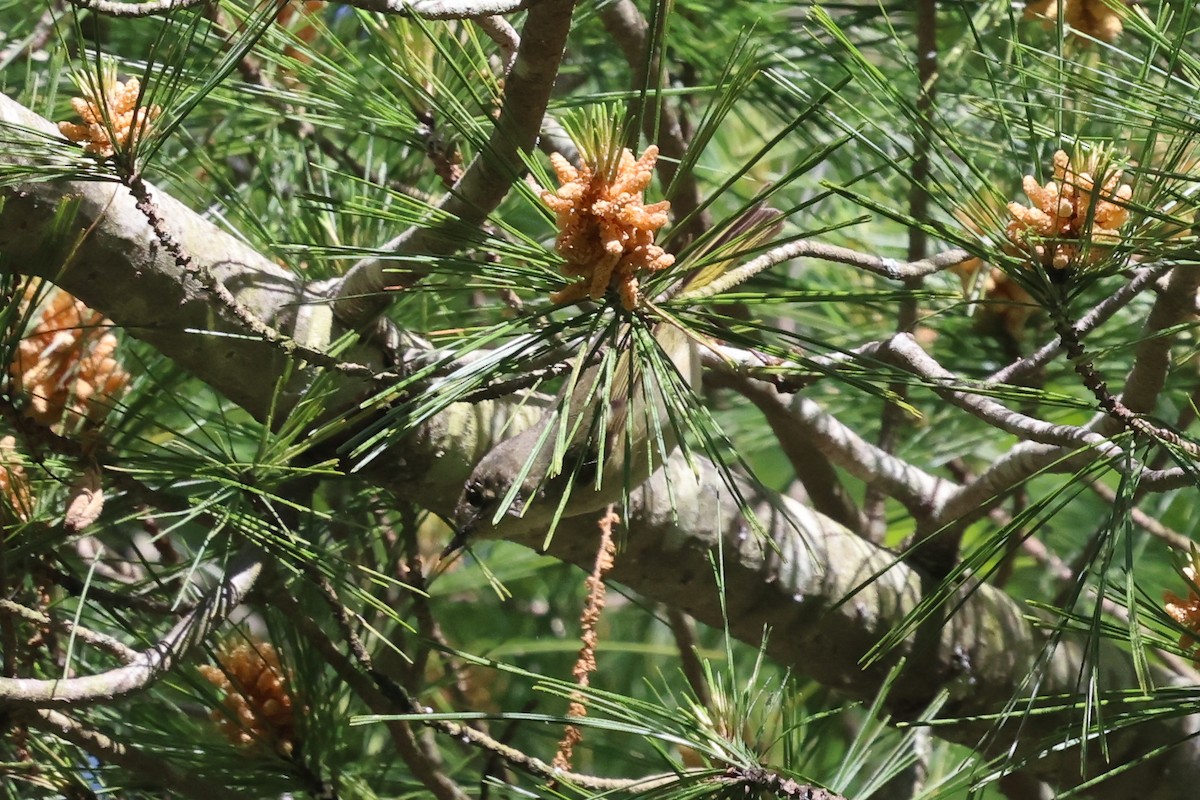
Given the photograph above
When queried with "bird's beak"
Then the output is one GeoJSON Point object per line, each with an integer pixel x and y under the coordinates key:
{"type": "Point", "coordinates": [457, 542]}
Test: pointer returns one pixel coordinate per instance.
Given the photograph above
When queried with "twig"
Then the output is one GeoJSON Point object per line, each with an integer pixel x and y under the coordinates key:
{"type": "Point", "coordinates": [893, 415]}
{"type": "Point", "coordinates": [91, 551]}
{"type": "Point", "coordinates": [1068, 576]}
{"type": "Point", "coordinates": [111, 599]}
{"type": "Point", "coordinates": [904, 351]}
{"type": "Point", "coordinates": [444, 9]}
{"type": "Point", "coordinates": [812, 468]}
{"type": "Point", "coordinates": [1152, 357]}
{"type": "Point", "coordinates": [1110, 403]}
{"type": "Point", "coordinates": [150, 664]}
{"type": "Point", "coordinates": [1187, 415]}
{"type": "Point", "coordinates": [428, 772]}
{"type": "Point", "coordinates": [1173, 539]}
{"type": "Point", "coordinates": [414, 576]}
{"type": "Point", "coordinates": [289, 346]}
{"type": "Point", "coordinates": [107, 643]}
{"type": "Point", "coordinates": [114, 8]}
{"type": "Point", "coordinates": [504, 35]}
{"type": "Point", "coordinates": [1101, 313]}
{"type": "Point", "coordinates": [805, 248]}
{"type": "Point", "coordinates": [365, 291]}
{"type": "Point", "coordinates": [1039, 552]}
{"type": "Point", "coordinates": [146, 765]}
{"type": "Point", "coordinates": [1164, 480]}
{"type": "Point", "coordinates": [777, 371]}
{"type": "Point", "coordinates": [555, 139]}
{"type": "Point", "coordinates": [1025, 460]}
{"type": "Point", "coordinates": [683, 629]}
{"type": "Point", "coordinates": [494, 766]}
{"type": "Point", "coordinates": [916, 489]}
{"type": "Point", "coordinates": [927, 69]}
{"type": "Point", "coordinates": [524, 381]}
{"type": "Point", "coordinates": [163, 544]}
{"type": "Point", "coordinates": [399, 699]}
{"type": "Point", "coordinates": [41, 436]}
{"type": "Point", "coordinates": [776, 784]}
{"type": "Point", "coordinates": [427, 624]}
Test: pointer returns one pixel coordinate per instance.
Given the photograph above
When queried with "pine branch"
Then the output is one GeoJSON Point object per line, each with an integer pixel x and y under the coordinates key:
{"type": "Point", "coordinates": [381, 691]}
{"type": "Point", "coordinates": [910, 485]}
{"type": "Point", "coordinates": [146, 766]}
{"type": "Point", "coordinates": [150, 664]}
{"type": "Point", "coordinates": [363, 293]}
{"type": "Point", "coordinates": [99, 640]}
{"type": "Point", "coordinates": [1141, 280]}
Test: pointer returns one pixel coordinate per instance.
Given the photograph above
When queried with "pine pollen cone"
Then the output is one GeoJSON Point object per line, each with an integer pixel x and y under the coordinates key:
{"type": "Point", "coordinates": [15, 495]}
{"type": "Point", "coordinates": [258, 705]}
{"type": "Point", "coordinates": [112, 121]}
{"type": "Point", "coordinates": [1093, 18]}
{"type": "Point", "coordinates": [1009, 303]}
{"type": "Point", "coordinates": [1186, 612]}
{"type": "Point", "coordinates": [1070, 222]}
{"type": "Point", "coordinates": [65, 366]}
{"type": "Point", "coordinates": [605, 231]}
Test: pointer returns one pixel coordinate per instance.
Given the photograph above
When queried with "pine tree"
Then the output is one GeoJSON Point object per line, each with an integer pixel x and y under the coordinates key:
{"type": "Point", "coordinates": [540, 398]}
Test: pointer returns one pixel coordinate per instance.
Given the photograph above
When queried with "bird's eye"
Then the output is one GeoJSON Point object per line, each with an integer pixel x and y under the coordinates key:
{"type": "Point", "coordinates": [475, 494]}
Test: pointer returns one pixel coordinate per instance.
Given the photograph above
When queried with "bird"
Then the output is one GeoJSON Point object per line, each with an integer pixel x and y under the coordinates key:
{"type": "Point", "coordinates": [609, 429]}
{"type": "Point", "coordinates": [611, 426]}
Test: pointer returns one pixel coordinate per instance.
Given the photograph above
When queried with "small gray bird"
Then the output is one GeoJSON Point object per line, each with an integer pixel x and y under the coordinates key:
{"type": "Point", "coordinates": [612, 433]}
{"type": "Point", "coordinates": [615, 429]}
